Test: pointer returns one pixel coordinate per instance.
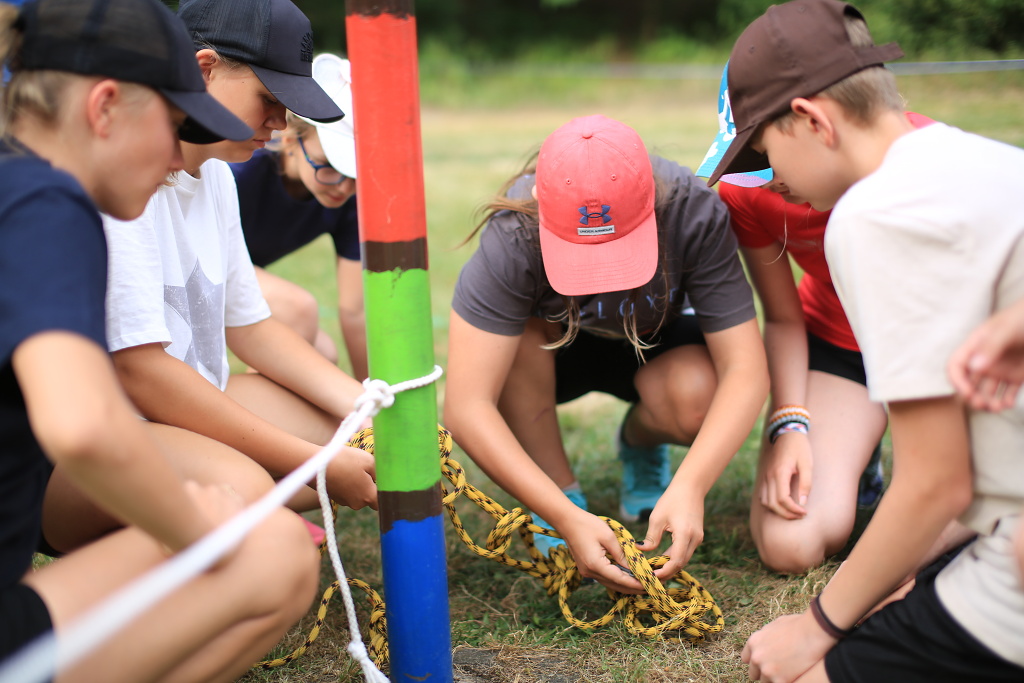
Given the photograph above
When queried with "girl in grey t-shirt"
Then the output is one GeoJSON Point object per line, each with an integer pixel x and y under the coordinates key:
{"type": "Point", "coordinates": [601, 268]}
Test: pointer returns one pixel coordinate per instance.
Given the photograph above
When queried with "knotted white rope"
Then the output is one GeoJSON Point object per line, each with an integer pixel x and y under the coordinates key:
{"type": "Point", "coordinates": [42, 659]}
{"type": "Point", "coordinates": [379, 394]}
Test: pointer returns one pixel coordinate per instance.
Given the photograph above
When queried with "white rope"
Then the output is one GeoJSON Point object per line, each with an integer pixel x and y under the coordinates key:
{"type": "Point", "coordinates": [42, 659]}
{"type": "Point", "coordinates": [379, 394]}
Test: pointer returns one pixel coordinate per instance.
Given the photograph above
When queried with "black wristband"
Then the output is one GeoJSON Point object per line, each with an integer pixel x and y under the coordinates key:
{"type": "Point", "coordinates": [825, 623]}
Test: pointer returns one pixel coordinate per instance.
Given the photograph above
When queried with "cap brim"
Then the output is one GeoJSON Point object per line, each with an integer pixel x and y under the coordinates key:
{"type": "Point", "coordinates": [714, 157]}
{"type": "Point", "coordinates": [738, 157]}
{"type": "Point", "coordinates": [301, 94]}
{"type": "Point", "coordinates": [208, 120]}
{"type": "Point", "coordinates": [618, 265]}
{"type": "Point", "coordinates": [339, 147]}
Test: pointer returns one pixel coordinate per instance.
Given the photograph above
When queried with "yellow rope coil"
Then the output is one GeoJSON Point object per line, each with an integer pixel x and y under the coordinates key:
{"type": "Point", "coordinates": [685, 611]}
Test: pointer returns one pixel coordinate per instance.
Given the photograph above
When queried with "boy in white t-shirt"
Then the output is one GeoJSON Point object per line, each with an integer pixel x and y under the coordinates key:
{"type": "Point", "coordinates": [922, 249]}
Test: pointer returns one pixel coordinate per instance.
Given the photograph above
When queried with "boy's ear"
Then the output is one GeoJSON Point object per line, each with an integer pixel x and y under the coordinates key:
{"type": "Point", "coordinates": [100, 103]}
{"type": "Point", "coordinates": [817, 119]}
{"type": "Point", "coordinates": [207, 60]}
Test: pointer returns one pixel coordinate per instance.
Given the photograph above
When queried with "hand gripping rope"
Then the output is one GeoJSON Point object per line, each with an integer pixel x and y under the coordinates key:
{"type": "Point", "coordinates": [685, 611]}
{"type": "Point", "coordinates": [41, 660]}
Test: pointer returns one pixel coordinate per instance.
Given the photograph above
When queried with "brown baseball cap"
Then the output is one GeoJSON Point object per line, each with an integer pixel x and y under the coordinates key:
{"type": "Point", "coordinates": [796, 49]}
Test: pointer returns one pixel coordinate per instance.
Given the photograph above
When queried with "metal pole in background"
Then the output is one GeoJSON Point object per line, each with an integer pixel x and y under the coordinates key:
{"type": "Point", "coordinates": [381, 40]}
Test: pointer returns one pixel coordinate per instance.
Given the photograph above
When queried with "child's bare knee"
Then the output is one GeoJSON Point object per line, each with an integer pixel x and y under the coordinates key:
{"type": "Point", "coordinates": [282, 564]}
{"type": "Point", "coordinates": [791, 553]}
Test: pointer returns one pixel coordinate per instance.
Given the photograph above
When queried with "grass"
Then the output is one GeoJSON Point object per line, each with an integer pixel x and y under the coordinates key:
{"type": "Point", "coordinates": [471, 145]}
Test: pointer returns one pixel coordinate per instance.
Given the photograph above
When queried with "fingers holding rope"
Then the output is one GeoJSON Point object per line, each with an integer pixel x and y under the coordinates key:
{"type": "Point", "coordinates": [685, 609]}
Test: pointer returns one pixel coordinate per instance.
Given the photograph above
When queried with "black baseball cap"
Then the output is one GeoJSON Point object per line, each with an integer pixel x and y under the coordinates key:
{"type": "Point", "coordinates": [796, 49]}
{"type": "Point", "coordinates": [138, 41]}
{"type": "Point", "coordinates": [274, 38]}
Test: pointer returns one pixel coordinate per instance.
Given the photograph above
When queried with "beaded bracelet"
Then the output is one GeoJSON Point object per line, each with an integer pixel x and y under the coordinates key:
{"type": "Point", "coordinates": [784, 418]}
{"type": "Point", "coordinates": [791, 419]}
{"type": "Point", "coordinates": [789, 410]}
{"type": "Point", "coordinates": [785, 427]}
{"type": "Point", "coordinates": [825, 623]}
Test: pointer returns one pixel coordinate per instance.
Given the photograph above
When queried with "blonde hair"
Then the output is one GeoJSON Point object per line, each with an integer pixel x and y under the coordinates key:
{"type": "Point", "coordinates": [528, 217]}
{"type": "Point", "coordinates": [863, 94]}
{"type": "Point", "coordinates": [39, 93]}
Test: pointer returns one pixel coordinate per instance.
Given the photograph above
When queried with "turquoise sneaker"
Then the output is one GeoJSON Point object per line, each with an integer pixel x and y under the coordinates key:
{"type": "Point", "coordinates": [645, 476]}
{"type": "Point", "coordinates": [545, 543]}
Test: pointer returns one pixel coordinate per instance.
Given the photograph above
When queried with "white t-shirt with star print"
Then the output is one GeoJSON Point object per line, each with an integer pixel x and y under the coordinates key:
{"type": "Point", "coordinates": [180, 274]}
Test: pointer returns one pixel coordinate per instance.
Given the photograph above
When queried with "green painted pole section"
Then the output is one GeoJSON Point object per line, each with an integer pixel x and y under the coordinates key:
{"type": "Point", "coordinates": [400, 339]}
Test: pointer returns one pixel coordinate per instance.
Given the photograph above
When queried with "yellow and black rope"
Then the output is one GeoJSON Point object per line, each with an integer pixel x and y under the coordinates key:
{"type": "Point", "coordinates": [685, 610]}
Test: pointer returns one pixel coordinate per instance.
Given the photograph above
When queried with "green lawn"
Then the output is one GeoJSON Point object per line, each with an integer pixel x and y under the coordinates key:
{"type": "Point", "coordinates": [471, 145]}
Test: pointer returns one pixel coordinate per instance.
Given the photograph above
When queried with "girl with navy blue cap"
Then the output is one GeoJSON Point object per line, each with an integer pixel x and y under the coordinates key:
{"type": "Point", "coordinates": [86, 129]}
{"type": "Point", "coordinates": [304, 188]}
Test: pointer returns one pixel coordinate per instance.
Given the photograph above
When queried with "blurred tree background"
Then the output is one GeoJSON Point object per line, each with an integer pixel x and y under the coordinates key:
{"type": "Point", "coordinates": [653, 31]}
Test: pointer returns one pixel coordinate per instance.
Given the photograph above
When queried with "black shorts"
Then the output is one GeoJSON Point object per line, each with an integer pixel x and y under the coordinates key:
{"type": "Point", "coordinates": [594, 363]}
{"type": "Point", "coordinates": [915, 640]}
{"type": "Point", "coordinates": [23, 616]}
{"type": "Point", "coordinates": [826, 357]}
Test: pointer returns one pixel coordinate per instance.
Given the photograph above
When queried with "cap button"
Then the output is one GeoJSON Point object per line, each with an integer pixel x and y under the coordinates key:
{"type": "Point", "coordinates": [588, 135]}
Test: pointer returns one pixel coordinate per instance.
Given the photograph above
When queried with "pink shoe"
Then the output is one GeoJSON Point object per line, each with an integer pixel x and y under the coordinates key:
{"type": "Point", "coordinates": [317, 533]}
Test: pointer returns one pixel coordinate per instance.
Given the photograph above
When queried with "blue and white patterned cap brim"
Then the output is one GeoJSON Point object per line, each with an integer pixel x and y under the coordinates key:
{"type": "Point", "coordinates": [726, 134]}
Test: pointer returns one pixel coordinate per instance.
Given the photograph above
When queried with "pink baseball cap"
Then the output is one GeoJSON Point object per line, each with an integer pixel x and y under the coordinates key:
{"type": "Point", "coordinates": [595, 197]}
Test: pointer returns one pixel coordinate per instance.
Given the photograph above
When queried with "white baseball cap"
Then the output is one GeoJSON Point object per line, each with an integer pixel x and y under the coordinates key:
{"type": "Point", "coordinates": [334, 75]}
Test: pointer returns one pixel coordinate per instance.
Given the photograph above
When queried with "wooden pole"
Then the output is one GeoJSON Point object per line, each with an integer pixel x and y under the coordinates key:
{"type": "Point", "coordinates": [392, 223]}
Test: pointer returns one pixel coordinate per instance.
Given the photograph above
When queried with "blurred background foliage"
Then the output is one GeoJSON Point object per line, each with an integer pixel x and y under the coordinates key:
{"type": "Point", "coordinates": [482, 32]}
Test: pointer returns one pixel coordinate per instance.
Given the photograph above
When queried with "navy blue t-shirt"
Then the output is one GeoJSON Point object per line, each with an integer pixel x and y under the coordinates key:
{"type": "Point", "coordinates": [53, 276]}
{"type": "Point", "coordinates": [276, 224]}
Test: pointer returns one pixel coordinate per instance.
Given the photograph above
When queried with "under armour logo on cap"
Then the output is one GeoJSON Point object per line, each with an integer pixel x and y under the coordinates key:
{"type": "Point", "coordinates": [601, 215]}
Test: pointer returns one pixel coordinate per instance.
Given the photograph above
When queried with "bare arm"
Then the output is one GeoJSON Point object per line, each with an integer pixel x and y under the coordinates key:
{"type": "Point", "coordinates": [931, 486]}
{"type": "Point", "coordinates": [738, 356]}
{"type": "Point", "coordinates": [785, 335]}
{"type": "Point", "coordinates": [281, 354]}
{"type": "Point", "coordinates": [85, 424]}
{"type": "Point", "coordinates": [478, 367]}
{"type": "Point", "coordinates": [167, 390]}
{"type": "Point", "coordinates": [352, 315]}
{"type": "Point", "coordinates": [785, 341]}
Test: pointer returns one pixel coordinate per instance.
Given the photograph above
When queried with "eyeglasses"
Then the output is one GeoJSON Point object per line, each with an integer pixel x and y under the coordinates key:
{"type": "Point", "coordinates": [325, 174]}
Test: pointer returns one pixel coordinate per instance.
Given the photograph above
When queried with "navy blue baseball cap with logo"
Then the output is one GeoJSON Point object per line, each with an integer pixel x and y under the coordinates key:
{"type": "Point", "coordinates": [274, 38]}
{"type": "Point", "coordinates": [138, 41]}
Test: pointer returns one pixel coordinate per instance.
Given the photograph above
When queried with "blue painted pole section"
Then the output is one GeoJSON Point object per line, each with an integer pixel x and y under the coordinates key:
{"type": "Point", "coordinates": [414, 643]}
